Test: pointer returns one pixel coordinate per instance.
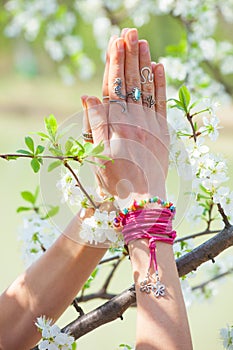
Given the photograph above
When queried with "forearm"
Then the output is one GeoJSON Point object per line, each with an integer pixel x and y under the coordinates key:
{"type": "Point", "coordinates": [46, 288]}
{"type": "Point", "coordinates": [161, 322]}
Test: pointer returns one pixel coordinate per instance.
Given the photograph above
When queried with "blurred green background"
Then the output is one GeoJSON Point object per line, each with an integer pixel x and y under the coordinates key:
{"type": "Point", "coordinates": [30, 90]}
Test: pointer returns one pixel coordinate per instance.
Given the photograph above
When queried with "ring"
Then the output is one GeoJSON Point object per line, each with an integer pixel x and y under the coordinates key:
{"type": "Point", "coordinates": [122, 103]}
{"type": "Point", "coordinates": [105, 97]}
{"type": "Point", "coordinates": [117, 88]}
{"type": "Point", "coordinates": [135, 94]}
{"type": "Point", "coordinates": [87, 136]}
{"type": "Point", "coordinates": [149, 77]}
{"type": "Point", "coordinates": [149, 101]}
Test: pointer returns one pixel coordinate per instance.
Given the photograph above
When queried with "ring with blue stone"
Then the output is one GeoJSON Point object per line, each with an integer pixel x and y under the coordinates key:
{"type": "Point", "coordinates": [135, 94]}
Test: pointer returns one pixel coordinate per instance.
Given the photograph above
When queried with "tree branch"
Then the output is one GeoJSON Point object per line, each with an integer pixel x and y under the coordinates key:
{"type": "Point", "coordinates": [120, 303]}
{"type": "Point", "coordinates": [194, 235]}
{"type": "Point", "coordinates": [215, 278]}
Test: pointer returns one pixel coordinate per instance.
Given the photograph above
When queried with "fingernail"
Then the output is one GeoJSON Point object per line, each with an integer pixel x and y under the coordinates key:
{"type": "Point", "coordinates": [133, 36]}
{"type": "Point", "coordinates": [144, 48]}
{"type": "Point", "coordinates": [120, 44]}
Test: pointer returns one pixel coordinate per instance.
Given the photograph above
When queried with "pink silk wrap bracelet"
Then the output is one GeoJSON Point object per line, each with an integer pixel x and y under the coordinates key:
{"type": "Point", "coordinates": [154, 225]}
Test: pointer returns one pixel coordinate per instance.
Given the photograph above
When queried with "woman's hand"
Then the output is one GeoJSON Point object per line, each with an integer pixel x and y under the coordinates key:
{"type": "Point", "coordinates": [131, 121]}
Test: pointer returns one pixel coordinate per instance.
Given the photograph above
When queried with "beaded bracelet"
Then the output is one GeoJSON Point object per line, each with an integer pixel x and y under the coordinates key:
{"type": "Point", "coordinates": [138, 205]}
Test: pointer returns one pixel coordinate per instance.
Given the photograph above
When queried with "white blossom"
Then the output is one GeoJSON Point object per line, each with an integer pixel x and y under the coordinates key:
{"type": "Point", "coordinates": [210, 127]}
{"type": "Point", "coordinates": [99, 228]}
{"type": "Point", "coordinates": [226, 335]}
{"type": "Point", "coordinates": [227, 205]}
{"type": "Point", "coordinates": [220, 194]}
{"type": "Point", "coordinates": [52, 337]}
{"type": "Point", "coordinates": [195, 213]}
{"type": "Point", "coordinates": [226, 65]}
{"type": "Point", "coordinates": [37, 235]}
{"type": "Point", "coordinates": [174, 67]}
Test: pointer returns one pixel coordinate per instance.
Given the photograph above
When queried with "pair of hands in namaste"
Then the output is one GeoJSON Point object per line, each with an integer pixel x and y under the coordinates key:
{"type": "Point", "coordinates": [131, 120]}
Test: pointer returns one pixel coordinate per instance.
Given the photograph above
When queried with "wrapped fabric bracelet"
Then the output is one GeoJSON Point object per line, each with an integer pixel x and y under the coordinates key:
{"type": "Point", "coordinates": [138, 205]}
{"type": "Point", "coordinates": [156, 226]}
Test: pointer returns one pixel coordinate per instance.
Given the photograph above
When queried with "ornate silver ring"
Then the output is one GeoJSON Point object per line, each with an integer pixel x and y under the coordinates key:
{"type": "Point", "coordinates": [135, 94]}
{"type": "Point", "coordinates": [147, 75]}
{"type": "Point", "coordinates": [117, 88]}
{"type": "Point", "coordinates": [87, 136]}
{"type": "Point", "coordinates": [121, 103]}
{"type": "Point", "coordinates": [149, 101]}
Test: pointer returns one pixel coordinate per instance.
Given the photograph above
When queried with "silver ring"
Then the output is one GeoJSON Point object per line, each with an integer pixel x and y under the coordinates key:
{"type": "Point", "coordinates": [105, 97]}
{"type": "Point", "coordinates": [135, 94]}
{"type": "Point", "coordinates": [149, 101]}
{"type": "Point", "coordinates": [117, 89]}
{"type": "Point", "coordinates": [122, 103]}
{"type": "Point", "coordinates": [87, 136]}
{"type": "Point", "coordinates": [149, 77]}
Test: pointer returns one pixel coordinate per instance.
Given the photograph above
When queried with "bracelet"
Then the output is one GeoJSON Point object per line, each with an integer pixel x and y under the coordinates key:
{"type": "Point", "coordinates": [156, 226]}
{"type": "Point", "coordinates": [138, 205]}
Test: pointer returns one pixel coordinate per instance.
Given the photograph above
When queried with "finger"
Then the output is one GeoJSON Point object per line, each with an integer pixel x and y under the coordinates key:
{"type": "Point", "coordinates": [116, 71]}
{"type": "Point", "coordinates": [86, 129]}
{"type": "Point", "coordinates": [132, 78]}
{"type": "Point", "coordinates": [123, 32]}
{"type": "Point", "coordinates": [97, 119]}
{"type": "Point", "coordinates": [160, 89]}
{"type": "Point", "coordinates": [147, 81]}
{"type": "Point", "coordinates": [105, 89]}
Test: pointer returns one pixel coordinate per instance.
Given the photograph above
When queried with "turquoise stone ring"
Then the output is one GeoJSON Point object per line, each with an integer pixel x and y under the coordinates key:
{"type": "Point", "coordinates": [135, 94]}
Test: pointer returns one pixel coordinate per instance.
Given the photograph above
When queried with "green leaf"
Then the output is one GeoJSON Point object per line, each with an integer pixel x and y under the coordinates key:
{"type": "Point", "coordinates": [177, 104]}
{"type": "Point", "coordinates": [56, 151]}
{"type": "Point", "coordinates": [184, 97]}
{"type": "Point", "coordinates": [30, 143]}
{"type": "Point", "coordinates": [40, 149]}
{"type": "Point", "coordinates": [51, 126]}
{"type": "Point", "coordinates": [74, 346]}
{"type": "Point", "coordinates": [88, 146]}
{"type": "Point", "coordinates": [194, 104]}
{"type": "Point", "coordinates": [100, 156]}
{"type": "Point", "coordinates": [95, 163]}
{"type": "Point", "coordinates": [98, 149]}
{"type": "Point", "coordinates": [78, 143]}
{"type": "Point", "coordinates": [23, 151]}
{"type": "Point", "coordinates": [42, 135]}
{"type": "Point", "coordinates": [54, 165]}
{"type": "Point", "coordinates": [51, 212]}
{"type": "Point", "coordinates": [35, 164]}
{"type": "Point", "coordinates": [90, 279]}
{"type": "Point", "coordinates": [20, 209]}
{"type": "Point", "coordinates": [69, 144]}
{"type": "Point", "coordinates": [28, 196]}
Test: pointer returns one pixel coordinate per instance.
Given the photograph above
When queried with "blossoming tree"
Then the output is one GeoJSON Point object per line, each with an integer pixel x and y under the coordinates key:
{"type": "Point", "coordinates": [198, 71]}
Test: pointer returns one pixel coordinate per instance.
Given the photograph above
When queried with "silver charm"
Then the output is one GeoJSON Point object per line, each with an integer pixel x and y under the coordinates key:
{"type": "Point", "coordinates": [149, 101]}
{"type": "Point", "coordinates": [117, 88]}
{"type": "Point", "coordinates": [149, 77]}
{"type": "Point", "coordinates": [157, 288]}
